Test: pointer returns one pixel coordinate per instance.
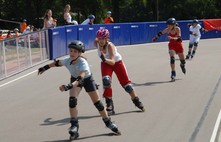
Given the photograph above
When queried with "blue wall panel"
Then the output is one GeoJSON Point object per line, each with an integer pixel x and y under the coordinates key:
{"type": "Point", "coordinates": [138, 33]}
{"type": "Point", "coordinates": [120, 34]}
{"type": "Point", "coordinates": [71, 34]}
{"type": "Point", "coordinates": [57, 42]}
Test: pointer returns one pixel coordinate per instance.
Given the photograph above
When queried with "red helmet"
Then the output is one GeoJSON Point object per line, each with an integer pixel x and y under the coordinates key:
{"type": "Point", "coordinates": [103, 33]}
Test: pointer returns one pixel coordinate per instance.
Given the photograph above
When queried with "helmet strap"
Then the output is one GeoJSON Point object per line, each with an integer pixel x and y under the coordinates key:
{"type": "Point", "coordinates": [74, 60]}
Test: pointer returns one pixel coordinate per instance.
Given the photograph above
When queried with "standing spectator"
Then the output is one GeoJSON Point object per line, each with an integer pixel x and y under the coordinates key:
{"type": "Point", "coordinates": [27, 30]}
{"type": "Point", "coordinates": [89, 20]}
{"type": "Point", "coordinates": [1, 36]}
{"type": "Point", "coordinates": [49, 22]}
{"type": "Point", "coordinates": [81, 77]}
{"type": "Point", "coordinates": [67, 16]}
{"type": "Point", "coordinates": [195, 35]}
{"type": "Point", "coordinates": [111, 61]}
{"type": "Point", "coordinates": [175, 45]}
{"type": "Point", "coordinates": [23, 26]}
{"type": "Point", "coordinates": [108, 19]}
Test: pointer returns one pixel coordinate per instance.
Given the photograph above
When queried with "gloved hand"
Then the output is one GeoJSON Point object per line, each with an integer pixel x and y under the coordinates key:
{"type": "Point", "coordinates": [102, 57]}
{"type": "Point", "coordinates": [66, 87]}
{"type": "Point", "coordinates": [42, 69]}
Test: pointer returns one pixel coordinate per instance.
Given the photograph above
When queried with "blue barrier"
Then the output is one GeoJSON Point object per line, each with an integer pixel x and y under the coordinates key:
{"type": "Point", "coordinates": [71, 35]}
{"type": "Point", "coordinates": [57, 42]}
{"type": "Point", "coordinates": [120, 34]}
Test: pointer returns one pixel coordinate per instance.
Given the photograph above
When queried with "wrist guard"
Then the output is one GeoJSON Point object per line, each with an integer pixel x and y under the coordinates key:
{"type": "Point", "coordinates": [102, 58]}
{"type": "Point", "coordinates": [68, 87]}
{"type": "Point", "coordinates": [42, 69]}
{"type": "Point", "coordinates": [80, 81]}
{"type": "Point", "coordinates": [159, 34]}
{"type": "Point", "coordinates": [179, 38]}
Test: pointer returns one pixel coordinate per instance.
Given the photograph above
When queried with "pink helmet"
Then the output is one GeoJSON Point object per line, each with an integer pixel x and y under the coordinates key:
{"type": "Point", "coordinates": [103, 33]}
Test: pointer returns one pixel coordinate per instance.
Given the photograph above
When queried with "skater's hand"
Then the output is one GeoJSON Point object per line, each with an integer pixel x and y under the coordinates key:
{"type": "Point", "coordinates": [170, 38]}
{"type": "Point", "coordinates": [42, 69]}
{"type": "Point", "coordinates": [102, 57]}
{"type": "Point", "coordinates": [66, 87]}
{"type": "Point", "coordinates": [195, 34]}
{"type": "Point", "coordinates": [154, 39]}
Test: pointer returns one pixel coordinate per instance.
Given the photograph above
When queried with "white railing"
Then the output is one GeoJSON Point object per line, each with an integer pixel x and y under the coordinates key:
{"type": "Point", "coordinates": [22, 52]}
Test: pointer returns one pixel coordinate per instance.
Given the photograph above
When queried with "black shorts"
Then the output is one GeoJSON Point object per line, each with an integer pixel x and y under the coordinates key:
{"type": "Point", "coordinates": [88, 83]}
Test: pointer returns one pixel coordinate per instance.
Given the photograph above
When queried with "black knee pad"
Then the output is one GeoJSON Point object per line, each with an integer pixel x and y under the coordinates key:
{"type": "Point", "coordinates": [172, 60]}
{"type": "Point", "coordinates": [190, 45]}
{"type": "Point", "coordinates": [106, 81]}
{"type": "Point", "coordinates": [72, 102]}
{"type": "Point", "coordinates": [99, 105]}
{"type": "Point", "coordinates": [128, 88]}
{"type": "Point", "coordinates": [183, 62]}
{"type": "Point", "coordinates": [195, 44]}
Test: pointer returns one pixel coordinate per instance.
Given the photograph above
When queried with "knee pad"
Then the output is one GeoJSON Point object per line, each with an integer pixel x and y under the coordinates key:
{"type": "Point", "coordinates": [106, 81]}
{"type": "Point", "coordinates": [190, 45]}
{"type": "Point", "coordinates": [172, 60]}
{"type": "Point", "coordinates": [99, 105]}
{"type": "Point", "coordinates": [72, 102]}
{"type": "Point", "coordinates": [183, 62]}
{"type": "Point", "coordinates": [195, 44]}
{"type": "Point", "coordinates": [128, 88]}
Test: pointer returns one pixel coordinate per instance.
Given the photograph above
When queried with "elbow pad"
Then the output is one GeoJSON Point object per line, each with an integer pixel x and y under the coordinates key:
{"type": "Point", "coordinates": [159, 34]}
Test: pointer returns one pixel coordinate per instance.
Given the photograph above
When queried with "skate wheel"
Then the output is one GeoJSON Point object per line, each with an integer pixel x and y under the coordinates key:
{"type": "Point", "coordinates": [118, 133]}
{"type": "Point", "coordinates": [74, 137]}
{"type": "Point", "coordinates": [172, 80]}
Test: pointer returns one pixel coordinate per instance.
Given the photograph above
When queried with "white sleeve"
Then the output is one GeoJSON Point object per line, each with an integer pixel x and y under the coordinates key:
{"type": "Point", "coordinates": [85, 22]}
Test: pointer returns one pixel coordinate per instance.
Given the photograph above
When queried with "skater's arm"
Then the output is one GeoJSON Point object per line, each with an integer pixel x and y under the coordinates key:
{"type": "Point", "coordinates": [110, 61]}
{"type": "Point", "coordinates": [56, 63]}
{"type": "Point", "coordinates": [178, 37]}
{"type": "Point", "coordinates": [159, 34]}
{"type": "Point", "coordinates": [77, 83]}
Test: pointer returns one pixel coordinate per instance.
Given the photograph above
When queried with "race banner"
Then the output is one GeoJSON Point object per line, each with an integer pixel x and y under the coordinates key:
{"type": "Point", "coordinates": [212, 24]}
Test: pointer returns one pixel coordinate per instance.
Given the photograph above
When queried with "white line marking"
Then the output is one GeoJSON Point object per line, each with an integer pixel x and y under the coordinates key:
{"type": "Point", "coordinates": [17, 79]}
{"type": "Point", "coordinates": [216, 127]}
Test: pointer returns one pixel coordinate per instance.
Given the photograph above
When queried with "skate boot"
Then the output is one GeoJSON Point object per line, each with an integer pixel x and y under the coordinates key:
{"type": "Point", "coordinates": [110, 106]}
{"type": "Point", "coordinates": [187, 56]}
{"type": "Point", "coordinates": [182, 66]}
{"type": "Point", "coordinates": [113, 127]}
{"type": "Point", "coordinates": [73, 130]}
{"type": "Point", "coordinates": [173, 76]}
{"type": "Point", "coordinates": [138, 103]}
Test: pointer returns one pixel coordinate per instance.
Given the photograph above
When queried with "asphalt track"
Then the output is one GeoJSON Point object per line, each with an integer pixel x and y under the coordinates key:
{"type": "Point", "coordinates": [32, 108]}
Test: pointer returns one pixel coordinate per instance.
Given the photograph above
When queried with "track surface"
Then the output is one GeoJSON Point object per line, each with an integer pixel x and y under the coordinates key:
{"type": "Point", "coordinates": [32, 108]}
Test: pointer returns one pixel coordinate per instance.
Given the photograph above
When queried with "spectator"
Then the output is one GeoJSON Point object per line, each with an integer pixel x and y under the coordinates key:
{"type": "Point", "coordinates": [27, 30]}
{"type": "Point", "coordinates": [23, 25]}
{"type": "Point", "coordinates": [1, 36]}
{"type": "Point", "coordinates": [108, 19]}
{"type": "Point", "coordinates": [9, 35]}
{"type": "Point", "coordinates": [67, 16]}
{"type": "Point", "coordinates": [49, 22]}
{"type": "Point", "coordinates": [16, 32]}
{"type": "Point", "coordinates": [89, 20]}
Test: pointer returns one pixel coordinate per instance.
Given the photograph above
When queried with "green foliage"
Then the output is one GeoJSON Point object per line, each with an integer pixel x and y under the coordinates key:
{"type": "Point", "coordinates": [123, 10]}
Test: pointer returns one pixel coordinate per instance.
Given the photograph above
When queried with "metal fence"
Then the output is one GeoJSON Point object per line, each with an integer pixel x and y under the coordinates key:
{"type": "Point", "coordinates": [22, 52]}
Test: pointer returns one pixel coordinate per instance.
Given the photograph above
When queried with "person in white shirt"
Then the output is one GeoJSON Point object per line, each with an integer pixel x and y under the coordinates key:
{"type": "Point", "coordinates": [195, 36]}
{"type": "Point", "coordinates": [67, 16]}
{"type": "Point", "coordinates": [89, 20]}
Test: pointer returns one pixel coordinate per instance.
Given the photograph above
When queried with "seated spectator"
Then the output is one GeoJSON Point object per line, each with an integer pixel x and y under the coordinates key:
{"type": "Point", "coordinates": [16, 32]}
{"type": "Point", "coordinates": [9, 35]}
{"type": "Point", "coordinates": [1, 36]}
{"type": "Point", "coordinates": [89, 20]}
{"type": "Point", "coordinates": [49, 22]}
{"type": "Point", "coordinates": [108, 19]}
{"type": "Point", "coordinates": [27, 30]}
{"type": "Point", "coordinates": [67, 16]}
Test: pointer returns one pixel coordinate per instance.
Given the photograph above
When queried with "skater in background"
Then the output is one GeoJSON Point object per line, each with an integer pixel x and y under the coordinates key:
{"type": "Point", "coordinates": [111, 61]}
{"type": "Point", "coordinates": [195, 35]}
{"type": "Point", "coordinates": [81, 76]}
{"type": "Point", "coordinates": [175, 45]}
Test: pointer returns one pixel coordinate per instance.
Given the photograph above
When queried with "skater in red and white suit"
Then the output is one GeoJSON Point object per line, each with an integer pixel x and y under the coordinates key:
{"type": "Point", "coordinates": [175, 45]}
{"type": "Point", "coordinates": [112, 62]}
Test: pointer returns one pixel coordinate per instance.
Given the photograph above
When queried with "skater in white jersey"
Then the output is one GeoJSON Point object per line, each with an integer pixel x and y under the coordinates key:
{"type": "Point", "coordinates": [111, 61]}
{"type": "Point", "coordinates": [81, 76]}
{"type": "Point", "coordinates": [195, 36]}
